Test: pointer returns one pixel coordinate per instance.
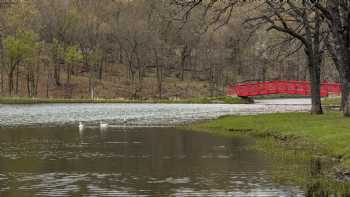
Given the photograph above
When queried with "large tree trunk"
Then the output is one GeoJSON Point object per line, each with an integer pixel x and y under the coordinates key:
{"type": "Point", "coordinates": [346, 96]}
{"type": "Point", "coordinates": [346, 109]}
{"type": "Point", "coordinates": [314, 55]}
{"type": "Point", "coordinates": [338, 22]}
{"type": "Point", "coordinates": [316, 107]}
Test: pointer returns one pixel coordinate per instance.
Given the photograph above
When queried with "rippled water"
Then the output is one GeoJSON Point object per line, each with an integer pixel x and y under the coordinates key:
{"type": "Point", "coordinates": [131, 162]}
{"type": "Point", "coordinates": [141, 115]}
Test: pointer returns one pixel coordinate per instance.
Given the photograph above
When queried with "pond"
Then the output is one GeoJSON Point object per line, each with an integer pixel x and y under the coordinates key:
{"type": "Point", "coordinates": [132, 162]}
{"type": "Point", "coordinates": [141, 153]}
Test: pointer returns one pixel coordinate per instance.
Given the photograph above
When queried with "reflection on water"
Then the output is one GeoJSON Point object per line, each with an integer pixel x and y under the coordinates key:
{"type": "Point", "coordinates": [133, 162]}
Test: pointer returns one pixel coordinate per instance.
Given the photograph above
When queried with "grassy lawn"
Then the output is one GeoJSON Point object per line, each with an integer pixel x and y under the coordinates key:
{"type": "Point", "coordinates": [329, 134]}
{"type": "Point", "coordinates": [207, 100]}
{"type": "Point", "coordinates": [331, 101]}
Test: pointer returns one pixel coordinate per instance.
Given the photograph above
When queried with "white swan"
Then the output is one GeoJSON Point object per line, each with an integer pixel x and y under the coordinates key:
{"type": "Point", "coordinates": [81, 126]}
{"type": "Point", "coordinates": [125, 120]}
{"type": "Point", "coordinates": [103, 125]}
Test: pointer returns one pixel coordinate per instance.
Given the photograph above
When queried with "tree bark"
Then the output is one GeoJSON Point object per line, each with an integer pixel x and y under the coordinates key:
{"type": "Point", "coordinates": [316, 107]}
{"type": "Point", "coordinates": [2, 64]}
{"type": "Point", "coordinates": [159, 70]}
{"type": "Point", "coordinates": [69, 71]}
{"type": "Point", "coordinates": [184, 57]}
{"type": "Point", "coordinates": [338, 17]}
{"type": "Point", "coordinates": [10, 79]}
{"type": "Point", "coordinates": [57, 74]}
{"type": "Point", "coordinates": [2, 81]}
{"type": "Point", "coordinates": [314, 55]}
{"type": "Point", "coordinates": [17, 80]}
{"type": "Point", "coordinates": [346, 96]}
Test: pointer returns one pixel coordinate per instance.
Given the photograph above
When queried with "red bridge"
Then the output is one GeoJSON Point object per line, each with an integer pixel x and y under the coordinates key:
{"type": "Point", "coordinates": [281, 87]}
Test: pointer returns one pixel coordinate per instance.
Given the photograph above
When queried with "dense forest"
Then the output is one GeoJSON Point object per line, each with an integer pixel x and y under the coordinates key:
{"type": "Point", "coordinates": [166, 48]}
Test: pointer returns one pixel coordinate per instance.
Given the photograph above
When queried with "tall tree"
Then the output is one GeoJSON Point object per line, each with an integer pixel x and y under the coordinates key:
{"type": "Point", "coordinates": [337, 13]}
{"type": "Point", "coordinates": [299, 21]}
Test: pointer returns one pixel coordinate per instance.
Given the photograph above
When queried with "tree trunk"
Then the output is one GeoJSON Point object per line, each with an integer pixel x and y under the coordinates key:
{"type": "Point", "coordinates": [346, 109]}
{"type": "Point", "coordinates": [17, 80]}
{"type": "Point", "coordinates": [2, 81]}
{"type": "Point", "coordinates": [314, 56]}
{"type": "Point", "coordinates": [47, 84]}
{"type": "Point", "coordinates": [57, 74]}
{"type": "Point", "coordinates": [2, 64]}
{"type": "Point", "coordinates": [316, 107]}
{"type": "Point", "coordinates": [183, 62]}
{"type": "Point", "coordinates": [36, 83]}
{"type": "Point", "coordinates": [69, 72]}
{"type": "Point", "coordinates": [28, 86]}
{"type": "Point", "coordinates": [315, 80]}
{"type": "Point", "coordinates": [10, 79]}
{"type": "Point", "coordinates": [100, 71]}
{"type": "Point", "coordinates": [346, 96]}
{"type": "Point", "coordinates": [159, 75]}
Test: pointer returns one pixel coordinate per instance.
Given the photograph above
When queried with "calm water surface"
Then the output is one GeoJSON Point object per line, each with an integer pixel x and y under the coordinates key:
{"type": "Point", "coordinates": [132, 162]}
{"type": "Point", "coordinates": [42, 152]}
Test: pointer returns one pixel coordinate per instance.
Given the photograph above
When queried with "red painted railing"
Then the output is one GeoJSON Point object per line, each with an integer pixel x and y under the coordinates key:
{"type": "Point", "coordinates": [280, 87]}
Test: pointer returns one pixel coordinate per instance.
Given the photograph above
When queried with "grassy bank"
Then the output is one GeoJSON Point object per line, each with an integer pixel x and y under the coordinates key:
{"type": "Point", "coordinates": [332, 101]}
{"type": "Point", "coordinates": [312, 152]}
{"type": "Point", "coordinates": [207, 100]}
{"type": "Point", "coordinates": [328, 134]}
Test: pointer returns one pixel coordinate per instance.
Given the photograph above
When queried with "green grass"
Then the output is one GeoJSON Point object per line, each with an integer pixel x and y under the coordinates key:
{"type": "Point", "coordinates": [331, 101]}
{"type": "Point", "coordinates": [293, 142]}
{"type": "Point", "coordinates": [328, 134]}
{"type": "Point", "coordinates": [207, 100]}
{"type": "Point", "coordinates": [279, 96]}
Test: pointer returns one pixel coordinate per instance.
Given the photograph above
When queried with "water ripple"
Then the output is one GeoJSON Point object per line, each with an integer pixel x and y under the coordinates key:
{"type": "Point", "coordinates": [136, 114]}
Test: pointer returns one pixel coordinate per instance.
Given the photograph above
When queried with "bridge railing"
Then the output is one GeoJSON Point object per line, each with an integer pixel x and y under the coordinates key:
{"type": "Point", "coordinates": [281, 87]}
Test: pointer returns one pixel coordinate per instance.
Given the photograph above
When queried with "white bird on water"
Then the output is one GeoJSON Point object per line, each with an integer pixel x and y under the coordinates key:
{"type": "Point", "coordinates": [81, 126]}
{"type": "Point", "coordinates": [125, 120]}
{"type": "Point", "coordinates": [103, 125]}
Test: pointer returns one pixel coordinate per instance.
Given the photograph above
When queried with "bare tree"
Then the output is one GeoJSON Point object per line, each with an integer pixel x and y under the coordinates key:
{"type": "Point", "coordinates": [337, 14]}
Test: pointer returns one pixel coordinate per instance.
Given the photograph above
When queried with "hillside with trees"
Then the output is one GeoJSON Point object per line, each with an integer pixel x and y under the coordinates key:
{"type": "Point", "coordinates": [161, 48]}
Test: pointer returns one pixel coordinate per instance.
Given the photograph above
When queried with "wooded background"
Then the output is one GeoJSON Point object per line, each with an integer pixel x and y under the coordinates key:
{"type": "Point", "coordinates": [149, 48]}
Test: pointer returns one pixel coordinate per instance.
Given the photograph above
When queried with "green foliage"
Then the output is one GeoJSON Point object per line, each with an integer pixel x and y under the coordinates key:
{"type": "Point", "coordinates": [21, 47]}
{"type": "Point", "coordinates": [57, 51]}
{"type": "Point", "coordinates": [73, 55]}
{"type": "Point", "coordinates": [332, 101]}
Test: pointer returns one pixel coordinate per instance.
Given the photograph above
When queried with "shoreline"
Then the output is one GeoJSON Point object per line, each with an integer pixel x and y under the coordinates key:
{"type": "Point", "coordinates": [323, 137]}
{"type": "Point", "coordinates": [204, 100]}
